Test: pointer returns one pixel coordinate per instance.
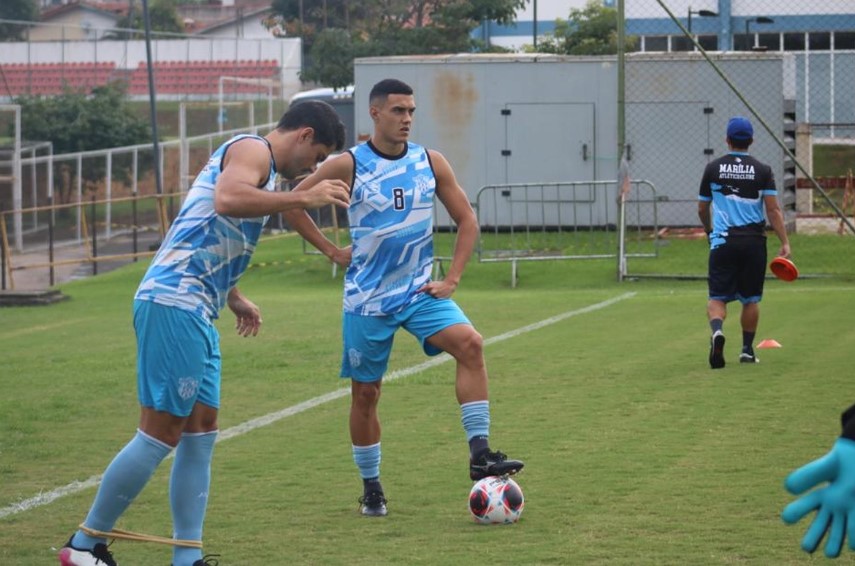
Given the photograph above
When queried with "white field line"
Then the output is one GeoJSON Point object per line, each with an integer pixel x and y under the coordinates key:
{"type": "Point", "coordinates": [270, 418]}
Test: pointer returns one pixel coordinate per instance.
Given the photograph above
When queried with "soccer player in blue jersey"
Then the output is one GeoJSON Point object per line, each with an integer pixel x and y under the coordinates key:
{"type": "Point", "coordinates": [388, 282]}
{"type": "Point", "coordinates": [191, 278]}
{"type": "Point", "coordinates": [739, 188]}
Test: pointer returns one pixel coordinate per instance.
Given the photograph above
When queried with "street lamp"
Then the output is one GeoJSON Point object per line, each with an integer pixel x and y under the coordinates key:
{"type": "Point", "coordinates": [758, 20]}
{"type": "Point", "coordinates": [702, 13]}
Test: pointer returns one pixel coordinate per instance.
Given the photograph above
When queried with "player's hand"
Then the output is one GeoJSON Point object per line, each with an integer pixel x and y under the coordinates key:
{"type": "Point", "coordinates": [834, 502]}
{"type": "Point", "coordinates": [247, 315]}
{"type": "Point", "coordinates": [438, 289]}
{"type": "Point", "coordinates": [342, 256]}
{"type": "Point", "coordinates": [327, 191]}
{"type": "Point", "coordinates": [784, 251]}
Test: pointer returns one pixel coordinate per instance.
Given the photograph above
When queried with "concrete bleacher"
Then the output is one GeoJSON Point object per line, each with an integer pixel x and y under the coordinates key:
{"type": "Point", "coordinates": [126, 56]}
{"type": "Point", "coordinates": [50, 78]}
{"type": "Point", "coordinates": [171, 77]}
{"type": "Point", "coordinates": [202, 77]}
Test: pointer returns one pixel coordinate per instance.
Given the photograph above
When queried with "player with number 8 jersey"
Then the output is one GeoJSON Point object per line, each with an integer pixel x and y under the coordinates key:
{"type": "Point", "coordinates": [391, 226]}
{"type": "Point", "coordinates": [388, 283]}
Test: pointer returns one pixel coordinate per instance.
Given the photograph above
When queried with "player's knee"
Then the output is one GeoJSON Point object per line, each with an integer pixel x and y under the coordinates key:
{"type": "Point", "coordinates": [366, 395]}
{"type": "Point", "coordinates": [170, 436]}
{"type": "Point", "coordinates": [202, 419]}
{"type": "Point", "coordinates": [207, 424]}
{"type": "Point", "coordinates": [471, 347]}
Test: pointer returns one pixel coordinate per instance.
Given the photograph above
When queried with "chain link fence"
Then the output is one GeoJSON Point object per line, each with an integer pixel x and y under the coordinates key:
{"type": "Point", "coordinates": [688, 66]}
{"type": "Point", "coordinates": [684, 68]}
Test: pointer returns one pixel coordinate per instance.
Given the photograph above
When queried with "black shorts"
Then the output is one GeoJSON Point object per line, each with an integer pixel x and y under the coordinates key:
{"type": "Point", "coordinates": [737, 270]}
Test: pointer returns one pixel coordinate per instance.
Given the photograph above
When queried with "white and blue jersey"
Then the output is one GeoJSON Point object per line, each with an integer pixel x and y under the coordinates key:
{"type": "Point", "coordinates": [204, 253]}
{"type": "Point", "coordinates": [391, 229]}
{"type": "Point", "coordinates": [736, 184]}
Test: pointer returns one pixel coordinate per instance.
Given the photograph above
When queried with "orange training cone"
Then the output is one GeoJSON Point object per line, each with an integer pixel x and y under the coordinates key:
{"type": "Point", "coordinates": [769, 343]}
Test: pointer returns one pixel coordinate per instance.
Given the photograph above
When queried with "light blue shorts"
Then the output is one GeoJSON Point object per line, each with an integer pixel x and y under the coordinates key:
{"type": "Point", "coordinates": [178, 359]}
{"type": "Point", "coordinates": [368, 339]}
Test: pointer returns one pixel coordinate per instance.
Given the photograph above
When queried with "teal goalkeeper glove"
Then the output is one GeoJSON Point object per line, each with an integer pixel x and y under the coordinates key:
{"type": "Point", "coordinates": [834, 503]}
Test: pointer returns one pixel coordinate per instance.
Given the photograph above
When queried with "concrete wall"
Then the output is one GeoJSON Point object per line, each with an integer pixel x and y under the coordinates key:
{"type": "Point", "coordinates": [538, 119]}
{"type": "Point", "coordinates": [506, 119]}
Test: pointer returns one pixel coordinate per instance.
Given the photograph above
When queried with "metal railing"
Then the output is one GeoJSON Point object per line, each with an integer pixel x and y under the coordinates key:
{"type": "Point", "coordinates": [565, 221]}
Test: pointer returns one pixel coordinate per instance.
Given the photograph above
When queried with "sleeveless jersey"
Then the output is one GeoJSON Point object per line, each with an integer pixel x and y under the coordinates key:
{"type": "Point", "coordinates": [736, 184]}
{"type": "Point", "coordinates": [391, 229]}
{"type": "Point", "coordinates": [203, 254]}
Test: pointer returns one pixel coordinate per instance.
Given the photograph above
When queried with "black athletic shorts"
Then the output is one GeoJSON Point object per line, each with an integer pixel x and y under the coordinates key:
{"type": "Point", "coordinates": [737, 269]}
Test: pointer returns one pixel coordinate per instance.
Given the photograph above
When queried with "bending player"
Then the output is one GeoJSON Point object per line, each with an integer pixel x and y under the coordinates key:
{"type": "Point", "coordinates": [191, 279]}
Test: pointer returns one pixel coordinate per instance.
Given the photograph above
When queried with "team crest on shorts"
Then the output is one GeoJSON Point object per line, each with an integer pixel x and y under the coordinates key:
{"type": "Point", "coordinates": [355, 357]}
{"type": "Point", "coordinates": [187, 387]}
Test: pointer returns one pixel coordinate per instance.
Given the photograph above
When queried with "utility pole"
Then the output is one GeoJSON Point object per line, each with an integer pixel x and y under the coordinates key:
{"type": "Point", "coordinates": [534, 31]}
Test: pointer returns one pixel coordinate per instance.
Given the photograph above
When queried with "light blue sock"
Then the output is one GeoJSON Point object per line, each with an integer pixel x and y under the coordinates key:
{"type": "Point", "coordinates": [367, 459]}
{"type": "Point", "coordinates": [188, 492]}
{"type": "Point", "coordinates": [123, 480]}
{"type": "Point", "coordinates": [476, 418]}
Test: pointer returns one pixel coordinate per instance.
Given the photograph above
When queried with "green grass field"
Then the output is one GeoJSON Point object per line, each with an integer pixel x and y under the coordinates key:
{"type": "Point", "coordinates": [636, 452]}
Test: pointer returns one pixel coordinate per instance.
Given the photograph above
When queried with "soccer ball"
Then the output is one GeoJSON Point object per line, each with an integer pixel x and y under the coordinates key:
{"type": "Point", "coordinates": [496, 500]}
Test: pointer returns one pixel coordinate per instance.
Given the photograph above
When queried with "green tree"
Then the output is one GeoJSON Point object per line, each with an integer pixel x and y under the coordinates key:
{"type": "Point", "coordinates": [75, 121]}
{"type": "Point", "coordinates": [163, 16]}
{"type": "Point", "coordinates": [383, 27]}
{"type": "Point", "coordinates": [591, 30]}
{"type": "Point", "coordinates": [332, 54]}
{"type": "Point", "coordinates": [24, 10]}
{"type": "Point", "coordinates": [319, 14]}
{"type": "Point", "coordinates": [450, 21]}
{"type": "Point", "coordinates": [308, 18]}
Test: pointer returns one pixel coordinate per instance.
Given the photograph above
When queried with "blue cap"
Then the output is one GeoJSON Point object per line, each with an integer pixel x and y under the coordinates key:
{"type": "Point", "coordinates": [740, 128]}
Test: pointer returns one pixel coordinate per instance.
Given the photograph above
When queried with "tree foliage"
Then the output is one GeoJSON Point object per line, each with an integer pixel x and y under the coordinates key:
{"type": "Point", "coordinates": [24, 10]}
{"type": "Point", "coordinates": [162, 14]}
{"type": "Point", "coordinates": [334, 32]}
{"type": "Point", "coordinates": [332, 55]}
{"type": "Point", "coordinates": [591, 30]}
{"type": "Point", "coordinates": [75, 121]}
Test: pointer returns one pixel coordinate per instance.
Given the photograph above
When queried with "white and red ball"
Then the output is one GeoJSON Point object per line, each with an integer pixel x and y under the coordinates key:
{"type": "Point", "coordinates": [496, 500]}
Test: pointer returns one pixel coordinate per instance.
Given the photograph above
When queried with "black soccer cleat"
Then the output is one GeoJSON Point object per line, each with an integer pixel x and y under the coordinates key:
{"type": "Point", "coordinates": [748, 357]}
{"type": "Point", "coordinates": [373, 504]}
{"type": "Point", "coordinates": [493, 464]}
{"type": "Point", "coordinates": [208, 560]}
{"type": "Point", "coordinates": [717, 350]}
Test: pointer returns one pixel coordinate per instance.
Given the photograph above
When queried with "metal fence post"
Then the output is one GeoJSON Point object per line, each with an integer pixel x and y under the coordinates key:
{"type": "Point", "coordinates": [94, 238]}
{"type": "Point", "coordinates": [2, 256]}
{"type": "Point", "coordinates": [50, 242]}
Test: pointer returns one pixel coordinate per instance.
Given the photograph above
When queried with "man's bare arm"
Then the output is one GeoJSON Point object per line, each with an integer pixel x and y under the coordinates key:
{"type": "Point", "coordinates": [456, 202]}
{"type": "Point", "coordinates": [246, 166]}
{"type": "Point", "coordinates": [337, 170]}
{"type": "Point", "coordinates": [776, 219]}
{"type": "Point", "coordinates": [704, 215]}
